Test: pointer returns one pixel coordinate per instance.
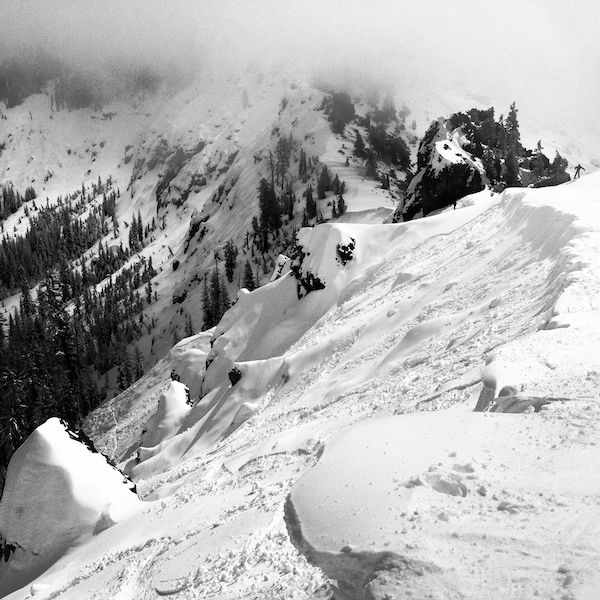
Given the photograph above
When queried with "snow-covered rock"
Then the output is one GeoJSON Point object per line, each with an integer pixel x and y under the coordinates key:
{"type": "Point", "coordinates": [446, 172]}
{"type": "Point", "coordinates": [56, 491]}
{"type": "Point", "coordinates": [172, 409]}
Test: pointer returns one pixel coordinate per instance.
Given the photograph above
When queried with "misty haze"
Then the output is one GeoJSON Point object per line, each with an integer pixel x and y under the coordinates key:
{"type": "Point", "coordinates": [299, 300]}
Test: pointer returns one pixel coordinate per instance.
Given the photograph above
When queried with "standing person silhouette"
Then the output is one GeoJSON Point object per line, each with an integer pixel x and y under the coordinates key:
{"type": "Point", "coordinates": [578, 170]}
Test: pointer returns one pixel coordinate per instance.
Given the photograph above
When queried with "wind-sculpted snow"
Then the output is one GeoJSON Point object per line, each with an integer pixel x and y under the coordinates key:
{"type": "Point", "coordinates": [56, 491]}
{"type": "Point", "coordinates": [499, 296]}
{"type": "Point", "coordinates": [396, 506]}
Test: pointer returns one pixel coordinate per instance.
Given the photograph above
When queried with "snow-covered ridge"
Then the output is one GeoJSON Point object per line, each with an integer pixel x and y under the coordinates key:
{"type": "Point", "coordinates": [417, 316]}
{"type": "Point", "coordinates": [264, 341]}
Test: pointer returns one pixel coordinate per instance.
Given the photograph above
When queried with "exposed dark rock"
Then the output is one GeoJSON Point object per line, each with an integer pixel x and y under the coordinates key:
{"type": "Point", "coordinates": [196, 223]}
{"type": "Point", "coordinates": [307, 282]}
{"type": "Point", "coordinates": [173, 164]}
{"type": "Point", "coordinates": [235, 375]}
{"type": "Point", "coordinates": [345, 251]}
{"type": "Point", "coordinates": [446, 172]}
{"type": "Point", "coordinates": [179, 296]}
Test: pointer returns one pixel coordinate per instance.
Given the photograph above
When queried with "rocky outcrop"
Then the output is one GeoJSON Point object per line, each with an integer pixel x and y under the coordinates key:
{"type": "Point", "coordinates": [446, 172]}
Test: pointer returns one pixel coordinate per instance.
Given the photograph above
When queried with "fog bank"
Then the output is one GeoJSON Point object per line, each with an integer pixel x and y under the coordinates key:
{"type": "Point", "coordinates": [541, 53]}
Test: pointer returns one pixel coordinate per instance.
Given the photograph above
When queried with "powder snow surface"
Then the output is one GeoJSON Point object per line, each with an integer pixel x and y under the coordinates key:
{"type": "Point", "coordinates": [507, 285]}
{"type": "Point", "coordinates": [56, 491]}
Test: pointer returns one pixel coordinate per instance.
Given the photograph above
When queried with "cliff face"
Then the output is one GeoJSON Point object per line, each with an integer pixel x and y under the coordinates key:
{"type": "Point", "coordinates": [445, 172]}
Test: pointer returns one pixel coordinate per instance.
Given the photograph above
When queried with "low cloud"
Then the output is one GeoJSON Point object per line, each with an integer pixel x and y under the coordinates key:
{"type": "Point", "coordinates": [541, 53]}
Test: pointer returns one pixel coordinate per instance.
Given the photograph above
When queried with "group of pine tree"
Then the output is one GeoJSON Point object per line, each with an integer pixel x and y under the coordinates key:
{"type": "Point", "coordinates": [70, 330]}
{"type": "Point", "coordinates": [274, 228]}
{"type": "Point", "coordinates": [505, 159]}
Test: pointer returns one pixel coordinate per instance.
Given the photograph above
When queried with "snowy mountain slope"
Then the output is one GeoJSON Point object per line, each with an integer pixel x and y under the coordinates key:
{"type": "Point", "coordinates": [57, 491]}
{"type": "Point", "coordinates": [503, 291]}
{"type": "Point", "coordinates": [432, 507]}
{"type": "Point", "coordinates": [408, 317]}
{"type": "Point", "coordinates": [192, 161]}
{"type": "Point", "coordinates": [190, 164]}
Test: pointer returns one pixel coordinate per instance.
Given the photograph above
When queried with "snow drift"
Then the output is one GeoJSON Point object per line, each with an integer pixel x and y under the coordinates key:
{"type": "Point", "coordinates": [412, 317]}
{"type": "Point", "coordinates": [56, 491]}
{"type": "Point", "coordinates": [395, 506]}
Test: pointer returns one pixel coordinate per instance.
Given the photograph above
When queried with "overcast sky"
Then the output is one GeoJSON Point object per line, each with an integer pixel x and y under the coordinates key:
{"type": "Point", "coordinates": [544, 54]}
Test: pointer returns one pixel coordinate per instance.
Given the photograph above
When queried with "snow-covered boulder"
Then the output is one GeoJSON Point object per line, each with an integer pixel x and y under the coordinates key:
{"type": "Point", "coordinates": [172, 409]}
{"type": "Point", "coordinates": [445, 172]}
{"type": "Point", "coordinates": [56, 491]}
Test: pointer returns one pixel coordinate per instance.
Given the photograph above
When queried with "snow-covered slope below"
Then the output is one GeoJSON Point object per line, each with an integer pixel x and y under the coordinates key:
{"type": "Point", "coordinates": [56, 492]}
{"type": "Point", "coordinates": [420, 316]}
{"type": "Point", "coordinates": [456, 505]}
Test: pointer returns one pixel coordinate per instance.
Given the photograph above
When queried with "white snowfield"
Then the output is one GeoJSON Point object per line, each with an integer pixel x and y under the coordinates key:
{"type": "Point", "coordinates": [56, 492]}
{"type": "Point", "coordinates": [352, 408]}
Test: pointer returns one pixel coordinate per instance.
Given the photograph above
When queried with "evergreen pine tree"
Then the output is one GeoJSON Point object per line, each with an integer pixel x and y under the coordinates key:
{"type": "Point", "coordinates": [302, 167]}
{"type": "Point", "coordinates": [231, 254]}
{"type": "Point", "coordinates": [324, 183]}
{"type": "Point", "coordinates": [138, 363]}
{"type": "Point", "coordinates": [311, 205]}
{"type": "Point", "coordinates": [248, 281]}
{"type": "Point", "coordinates": [140, 229]}
{"type": "Point", "coordinates": [216, 294]}
{"type": "Point", "coordinates": [359, 145]}
{"type": "Point", "coordinates": [189, 326]}
{"type": "Point", "coordinates": [207, 306]}
{"type": "Point", "coordinates": [512, 130]}
{"type": "Point", "coordinates": [148, 290]}
{"type": "Point", "coordinates": [335, 185]}
{"type": "Point", "coordinates": [511, 177]}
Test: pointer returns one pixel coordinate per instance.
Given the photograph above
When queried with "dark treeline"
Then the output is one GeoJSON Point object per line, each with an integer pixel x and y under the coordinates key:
{"type": "Point", "coordinates": [55, 234]}
{"type": "Point", "coordinates": [11, 200]}
{"type": "Point", "coordinates": [272, 229]}
{"type": "Point", "coordinates": [56, 343]}
{"type": "Point", "coordinates": [50, 347]}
